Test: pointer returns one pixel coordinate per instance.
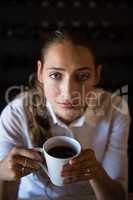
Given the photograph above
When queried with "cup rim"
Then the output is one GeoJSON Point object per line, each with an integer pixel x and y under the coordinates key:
{"type": "Point", "coordinates": [62, 137]}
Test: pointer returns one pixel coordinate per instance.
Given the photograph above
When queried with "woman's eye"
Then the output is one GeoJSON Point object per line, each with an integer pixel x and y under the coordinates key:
{"type": "Point", "coordinates": [82, 76]}
{"type": "Point", "coordinates": [56, 76]}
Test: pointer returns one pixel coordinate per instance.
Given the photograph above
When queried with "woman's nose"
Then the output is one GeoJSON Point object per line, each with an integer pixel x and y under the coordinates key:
{"type": "Point", "coordinates": [66, 91]}
{"type": "Point", "coordinates": [69, 89]}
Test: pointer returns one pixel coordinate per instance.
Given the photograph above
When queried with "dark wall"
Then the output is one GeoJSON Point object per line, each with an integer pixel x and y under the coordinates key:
{"type": "Point", "coordinates": [110, 24]}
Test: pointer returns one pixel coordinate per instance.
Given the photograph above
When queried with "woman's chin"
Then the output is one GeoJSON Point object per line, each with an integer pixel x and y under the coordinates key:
{"type": "Point", "coordinates": [68, 115]}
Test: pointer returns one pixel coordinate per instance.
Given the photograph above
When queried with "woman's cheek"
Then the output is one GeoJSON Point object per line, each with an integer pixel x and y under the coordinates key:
{"type": "Point", "coordinates": [51, 91]}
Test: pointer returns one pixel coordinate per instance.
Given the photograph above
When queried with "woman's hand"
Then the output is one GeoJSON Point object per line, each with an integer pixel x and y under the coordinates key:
{"type": "Point", "coordinates": [18, 163]}
{"type": "Point", "coordinates": [82, 168]}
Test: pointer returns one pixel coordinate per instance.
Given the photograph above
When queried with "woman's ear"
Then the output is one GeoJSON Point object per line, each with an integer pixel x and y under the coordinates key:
{"type": "Point", "coordinates": [98, 74]}
{"type": "Point", "coordinates": [39, 71]}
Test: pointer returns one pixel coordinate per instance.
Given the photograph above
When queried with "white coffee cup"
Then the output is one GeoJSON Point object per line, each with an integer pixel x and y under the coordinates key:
{"type": "Point", "coordinates": [55, 163]}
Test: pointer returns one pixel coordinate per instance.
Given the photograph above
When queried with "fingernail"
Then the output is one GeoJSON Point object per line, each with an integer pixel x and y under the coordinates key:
{"type": "Point", "coordinates": [71, 162]}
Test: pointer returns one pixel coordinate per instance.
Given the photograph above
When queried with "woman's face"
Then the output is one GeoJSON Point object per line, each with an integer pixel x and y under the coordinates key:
{"type": "Point", "coordinates": [68, 75]}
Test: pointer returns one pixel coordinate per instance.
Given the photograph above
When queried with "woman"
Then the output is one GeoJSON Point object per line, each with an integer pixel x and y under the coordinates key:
{"type": "Point", "coordinates": [66, 101]}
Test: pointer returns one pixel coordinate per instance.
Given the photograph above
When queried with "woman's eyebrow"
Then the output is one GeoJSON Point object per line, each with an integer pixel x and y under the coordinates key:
{"type": "Point", "coordinates": [84, 68]}
{"type": "Point", "coordinates": [56, 68]}
{"type": "Point", "coordinates": [64, 69]}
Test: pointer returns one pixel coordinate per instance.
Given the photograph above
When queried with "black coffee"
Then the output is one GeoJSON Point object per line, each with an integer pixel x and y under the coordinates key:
{"type": "Point", "coordinates": [62, 152]}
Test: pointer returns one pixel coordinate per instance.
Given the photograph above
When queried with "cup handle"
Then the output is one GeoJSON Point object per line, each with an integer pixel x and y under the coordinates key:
{"type": "Point", "coordinates": [41, 165]}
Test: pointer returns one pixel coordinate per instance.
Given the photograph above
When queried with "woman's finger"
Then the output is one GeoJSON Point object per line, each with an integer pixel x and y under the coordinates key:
{"type": "Point", "coordinates": [74, 179]}
{"type": "Point", "coordinates": [18, 171]}
{"type": "Point", "coordinates": [80, 171]}
{"type": "Point", "coordinates": [29, 153]}
{"type": "Point", "coordinates": [78, 166]}
{"type": "Point", "coordinates": [25, 171]}
{"type": "Point", "coordinates": [26, 162]}
{"type": "Point", "coordinates": [86, 154]}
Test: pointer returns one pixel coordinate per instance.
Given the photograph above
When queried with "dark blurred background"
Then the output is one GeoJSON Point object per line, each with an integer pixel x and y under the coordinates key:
{"type": "Point", "coordinates": [110, 23]}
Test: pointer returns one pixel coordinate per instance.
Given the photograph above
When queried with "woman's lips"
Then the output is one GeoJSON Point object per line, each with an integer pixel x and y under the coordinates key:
{"type": "Point", "coordinates": [66, 105]}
